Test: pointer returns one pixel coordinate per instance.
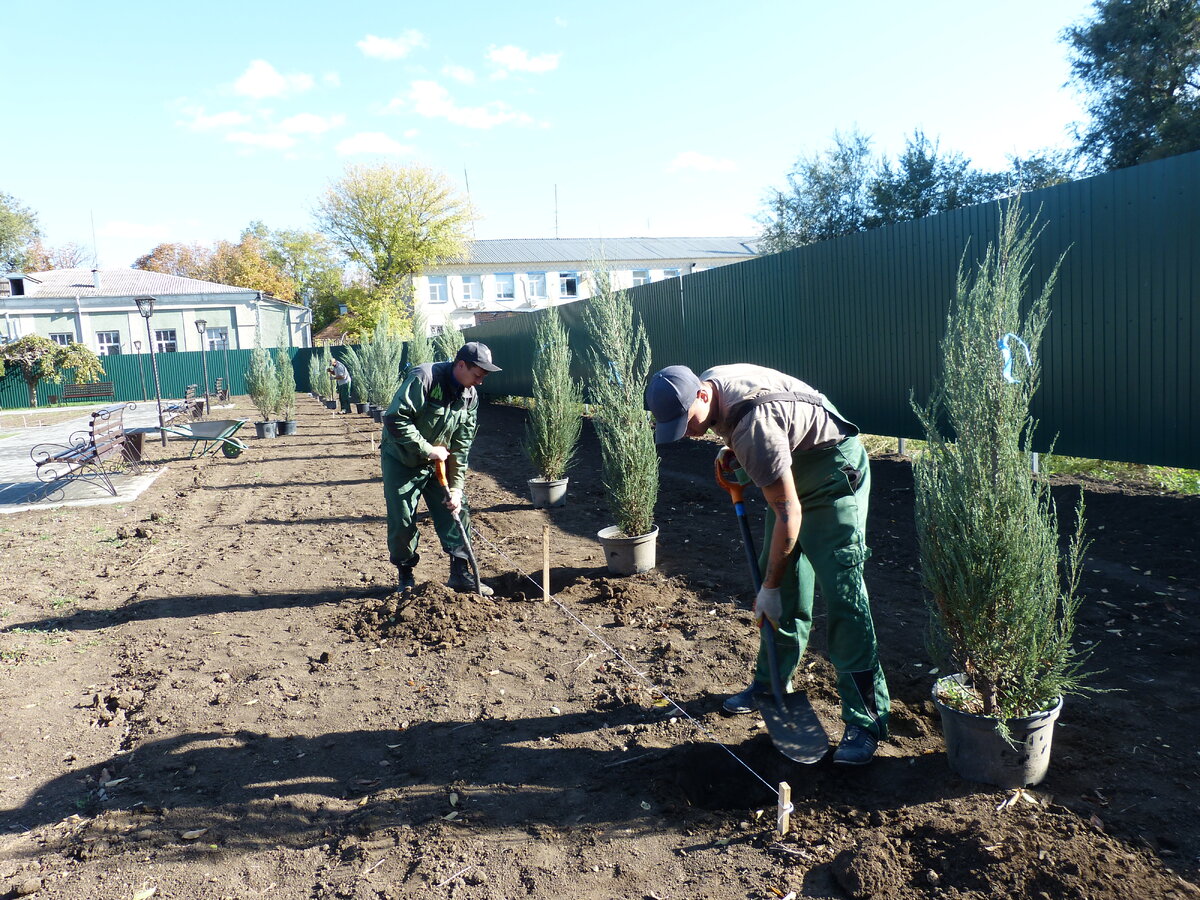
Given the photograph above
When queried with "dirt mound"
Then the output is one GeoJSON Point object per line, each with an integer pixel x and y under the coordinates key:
{"type": "Point", "coordinates": [430, 614]}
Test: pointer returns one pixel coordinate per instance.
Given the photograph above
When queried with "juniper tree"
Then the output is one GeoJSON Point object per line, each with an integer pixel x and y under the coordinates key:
{"type": "Point", "coordinates": [1002, 610]}
{"type": "Point", "coordinates": [555, 419]}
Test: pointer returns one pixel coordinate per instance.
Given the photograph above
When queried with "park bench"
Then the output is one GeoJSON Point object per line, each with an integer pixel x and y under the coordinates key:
{"type": "Point", "coordinates": [93, 454]}
{"type": "Point", "coordinates": [192, 405]}
{"type": "Point", "coordinates": [97, 391]}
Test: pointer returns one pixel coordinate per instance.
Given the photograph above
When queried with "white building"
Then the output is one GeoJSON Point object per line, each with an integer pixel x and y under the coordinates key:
{"type": "Point", "coordinates": [96, 308]}
{"type": "Point", "coordinates": [520, 275]}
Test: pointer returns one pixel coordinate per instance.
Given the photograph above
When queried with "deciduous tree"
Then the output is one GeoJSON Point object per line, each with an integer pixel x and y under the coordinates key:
{"type": "Point", "coordinates": [18, 229]}
{"type": "Point", "coordinates": [395, 221]}
{"type": "Point", "coordinates": [1138, 62]}
{"type": "Point", "coordinates": [39, 359]}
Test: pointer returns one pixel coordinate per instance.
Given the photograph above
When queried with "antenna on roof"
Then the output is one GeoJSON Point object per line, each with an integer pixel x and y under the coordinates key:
{"type": "Point", "coordinates": [95, 249]}
{"type": "Point", "coordinates": [467, 180]}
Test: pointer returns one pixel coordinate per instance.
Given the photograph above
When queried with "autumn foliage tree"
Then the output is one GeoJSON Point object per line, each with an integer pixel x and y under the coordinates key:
{"type": "Point", "coordinates": [39, 359]}
{"type": "Point", "coordinates": [244, 264]}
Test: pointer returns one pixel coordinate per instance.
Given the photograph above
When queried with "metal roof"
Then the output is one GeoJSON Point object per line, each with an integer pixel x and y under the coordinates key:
{"type": "Point", "coordinates": [610, 250]}
{"type": "Point", "coordinates": [118, 283]}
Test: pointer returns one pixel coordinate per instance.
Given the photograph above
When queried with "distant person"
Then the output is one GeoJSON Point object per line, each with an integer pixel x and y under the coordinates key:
{"type": "Point", "coordinates": [816, 478]}
{"type": "Point", "coordinates": [432, 416]}
{"type": "Point", "coordinates": [341, 377]}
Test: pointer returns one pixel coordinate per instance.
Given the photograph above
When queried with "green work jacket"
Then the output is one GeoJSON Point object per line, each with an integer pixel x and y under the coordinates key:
{"type": "Point", "coordinates": [431, 408]}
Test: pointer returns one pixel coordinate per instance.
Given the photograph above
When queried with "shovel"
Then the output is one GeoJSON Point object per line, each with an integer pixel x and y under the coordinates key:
{"type": "Point", "coordinates": [440, 468]}
{"type": "Point", "coordinates": [792, 723]}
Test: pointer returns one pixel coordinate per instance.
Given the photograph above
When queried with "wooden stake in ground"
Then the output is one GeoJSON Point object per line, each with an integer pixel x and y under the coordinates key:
{"type": "Point", "coordinates": [783, 820]}
{"type": "Point", "coordinates": [546, 563]}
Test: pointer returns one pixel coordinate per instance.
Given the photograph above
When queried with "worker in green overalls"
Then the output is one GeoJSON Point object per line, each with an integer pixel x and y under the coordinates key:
{"type": "Point", "coordinates": [433, 416]}
{"type": "Point", "coordinates": [815, 476]}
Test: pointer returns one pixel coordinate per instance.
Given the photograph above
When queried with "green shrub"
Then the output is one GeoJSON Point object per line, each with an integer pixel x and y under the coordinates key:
{"type": "Point", "coordinates": [375, 364]}
{"type": "Point", "coordinates": [988, 530]}
{"type": "Point", "coordinates": [420, 348]}
{"type": "Point", "coordinates": [262, 384]}
{"type": "Point", "coordinates": [619, 362]}
{"type": "Point", "coordinates": [285, 401]}
{"type": "Point", "coordinates": [555, 416]}
{"type": "Point", "coordinates": [446, 344]}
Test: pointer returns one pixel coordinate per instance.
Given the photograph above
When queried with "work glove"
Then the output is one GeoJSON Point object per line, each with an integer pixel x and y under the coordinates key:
{"type": "Point", "coordinates": [769, 603]}
{"type": "Point", "coordinates": [439, 452]}
{"type": "Point", "coordinates": [454, 501]}
{"type": "Point", "coordinates": [727, 460]}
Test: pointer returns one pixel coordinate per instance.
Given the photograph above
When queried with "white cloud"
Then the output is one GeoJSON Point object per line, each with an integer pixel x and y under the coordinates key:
{"type": "Point", "coordinates": [332, 79]}
{"type": "Point", "coordinates": [310, 123]}
{"type": "Point", "coordinates": [514, 59]}
{"type": "Point", "coordinates": [261, 79]}
{"type": "Point", "coordinates": [392, 48]}
{"type": "Point", "coordinates": [430, 99]}
{"type": "Point", "coordinates": [201, 121]}
{"type": "Point", "coordinates": [460, 74]}
{"type": "Point", "coordinates": [272, 141]}
{"type": "Point", "coordinates": [690, 160]}
{"type": "Point", "coordinates": [371, 142]}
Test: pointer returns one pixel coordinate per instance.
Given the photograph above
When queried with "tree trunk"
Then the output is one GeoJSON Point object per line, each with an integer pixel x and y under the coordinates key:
{"type": "Point", "coordinates": [32, 384]}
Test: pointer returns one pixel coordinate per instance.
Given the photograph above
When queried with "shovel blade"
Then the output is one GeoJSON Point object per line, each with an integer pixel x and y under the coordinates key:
{"type": "Point", "coordinates": [794, 728]}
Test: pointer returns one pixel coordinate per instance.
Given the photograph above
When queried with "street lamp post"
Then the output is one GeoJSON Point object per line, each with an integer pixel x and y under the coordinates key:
{"type": "Point", "coordinates": [145, 307]}
{"type": "Point", "coordinates": [137, 348]}
{"type": "Point", "coordinates": [201, 324]}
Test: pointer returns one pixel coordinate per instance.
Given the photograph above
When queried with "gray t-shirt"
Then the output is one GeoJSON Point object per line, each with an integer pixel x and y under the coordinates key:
{"type": "Point", "coordinates": [769, 433]}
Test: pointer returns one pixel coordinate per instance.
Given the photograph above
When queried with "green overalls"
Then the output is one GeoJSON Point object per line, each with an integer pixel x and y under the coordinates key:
{"type": "Point", "coordinates": [430, 408]}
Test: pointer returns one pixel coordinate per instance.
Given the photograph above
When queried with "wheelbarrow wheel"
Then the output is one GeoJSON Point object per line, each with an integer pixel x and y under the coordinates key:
{"type": "Point", "coordinates": [231, 451]}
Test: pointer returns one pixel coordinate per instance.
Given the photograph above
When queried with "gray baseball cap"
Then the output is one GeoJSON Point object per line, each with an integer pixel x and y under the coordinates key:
{"type": "Point", "coordinates": [669, 395]}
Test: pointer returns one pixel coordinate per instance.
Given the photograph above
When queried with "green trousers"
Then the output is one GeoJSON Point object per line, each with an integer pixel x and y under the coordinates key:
{"type": "Point", "coordinates": [344, 395]}
{"type": "Point", "coordinates": [834, 487]}
{"type": "Point", "coordinates": [403, 487]}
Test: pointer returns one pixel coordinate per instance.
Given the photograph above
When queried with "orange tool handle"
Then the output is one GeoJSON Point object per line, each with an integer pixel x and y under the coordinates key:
{"type": "Point", "coordinates": [439, 466]}
{"type": "Point", "coordinates": [726, 480]}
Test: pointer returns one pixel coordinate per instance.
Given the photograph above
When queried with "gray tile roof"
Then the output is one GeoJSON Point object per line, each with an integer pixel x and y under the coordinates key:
{"type": "Point", "coordinates": [118, 283]}
{"type": "Point", "coordinates": [612, 250]}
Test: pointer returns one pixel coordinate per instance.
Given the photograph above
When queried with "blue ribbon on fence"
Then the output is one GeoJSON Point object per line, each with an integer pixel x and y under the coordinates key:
{"type": "Point", "coordinates": [1006, 359]}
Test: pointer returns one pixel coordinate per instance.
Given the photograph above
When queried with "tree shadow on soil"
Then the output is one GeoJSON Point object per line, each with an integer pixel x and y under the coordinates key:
{"type": "Point", "coordinates": [254, 791]}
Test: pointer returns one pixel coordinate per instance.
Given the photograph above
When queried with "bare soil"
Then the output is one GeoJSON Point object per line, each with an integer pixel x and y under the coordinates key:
{"type": "Point", "coordinates": [212, 692]}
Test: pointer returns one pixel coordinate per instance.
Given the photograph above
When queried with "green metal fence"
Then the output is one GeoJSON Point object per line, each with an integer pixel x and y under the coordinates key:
{"type": "Point", "coordinates": [860, 317]}
{"type": "Point", "coordinates": [133, 375]}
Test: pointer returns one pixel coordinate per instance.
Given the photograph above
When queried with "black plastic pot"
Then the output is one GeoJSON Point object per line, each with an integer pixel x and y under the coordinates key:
{"type": "Point", "coordinates": [265, 429]}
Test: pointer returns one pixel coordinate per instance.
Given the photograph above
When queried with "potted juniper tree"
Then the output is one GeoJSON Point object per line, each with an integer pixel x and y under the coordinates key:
{"type": "Point", "coordinates": [420, 348]}
{"type": "Point", "coordinates": [446, 344]}
{"type": "Point", "coordinates": [1002, 595]}
{"type": "Point", "coordinates": [619, 363]}
{"type": "Point", "coordinates": [375, 366]}
{"type": "Point", "coordinates": [555, 417]}
{"type": "Point", "coordinates": [285, 410]}
{"type": "Point", "coordinates": [330, 390]}
{"type": "Point", "coordinates": [316, 375]}
{"type": "Point", "coordinates": [262, 384]}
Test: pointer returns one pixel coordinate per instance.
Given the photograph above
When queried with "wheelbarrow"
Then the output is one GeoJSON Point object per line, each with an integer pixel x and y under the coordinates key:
{"type": "Point", "coordinates": [209, 435]}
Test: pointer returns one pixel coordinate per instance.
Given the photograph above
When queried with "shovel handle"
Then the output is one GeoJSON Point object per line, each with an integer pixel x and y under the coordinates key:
{"type": "Point", "coordinates": [726, 480]}
{"type": "Point", "coordinates": [439, 466]}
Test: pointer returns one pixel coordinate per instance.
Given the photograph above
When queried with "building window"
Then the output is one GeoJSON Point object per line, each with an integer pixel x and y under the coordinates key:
{"type": "Point", "coordinates": [641, 276]}
{"type": "Point", "coordinates": [109, 342]}
{"type": "Point", "coordinates": [670, 273]}
{"type": "Point", "coordinates": [568, 284]}
{"type": "Point", "coordinates": [537, 285]}
{"type": "Point", "coordinates": [472, 287]}
{"type": "Point", "coordinates": [438, 291]}
{"type": "Point", "coordinates": [506, 286]}
{"type": "Point", "coordinates": [164, 341]}
{"type": "Point", "coordinates": [63, 338]}
{"type": "Point", "coordinates": [218, 338]}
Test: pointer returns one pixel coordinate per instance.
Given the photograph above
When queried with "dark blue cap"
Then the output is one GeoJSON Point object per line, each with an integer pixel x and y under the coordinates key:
{"type": "Point", "coordinates": [669, 395]}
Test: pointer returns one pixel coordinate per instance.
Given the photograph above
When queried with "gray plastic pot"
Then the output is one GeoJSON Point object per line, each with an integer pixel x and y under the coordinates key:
{"type": "Point", "coordinates": [545, 493]}
{"type": "Point", "coordinates": [628, 555]}
{"type": "Point", "coordinates": [977, 751]}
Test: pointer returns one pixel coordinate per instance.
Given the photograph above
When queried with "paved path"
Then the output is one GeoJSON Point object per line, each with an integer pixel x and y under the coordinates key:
{"type": "Point", "coordinates": [20, 488]}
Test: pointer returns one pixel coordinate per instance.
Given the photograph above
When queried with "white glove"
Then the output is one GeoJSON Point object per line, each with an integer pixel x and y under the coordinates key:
{"type": "Point", "coordinates": [769, 603]}
{"type": "Point", "coordinates": [454, 501]}
{"type": "Point", "coordinates": [438, 452]}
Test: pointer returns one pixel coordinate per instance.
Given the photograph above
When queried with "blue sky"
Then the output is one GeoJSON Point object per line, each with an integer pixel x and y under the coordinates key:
{"type": "Point", "coordinates": [184, 122]}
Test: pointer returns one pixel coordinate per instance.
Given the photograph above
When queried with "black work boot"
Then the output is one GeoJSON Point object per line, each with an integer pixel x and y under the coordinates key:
{"type": "Point", "coordinates": [405, 580]}
{"type": "Point", "coordinates": [461, 579]}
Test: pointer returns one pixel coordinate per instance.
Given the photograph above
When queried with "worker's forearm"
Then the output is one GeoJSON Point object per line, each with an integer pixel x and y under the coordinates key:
{"type": "Point", "coordinates": [784, 538]}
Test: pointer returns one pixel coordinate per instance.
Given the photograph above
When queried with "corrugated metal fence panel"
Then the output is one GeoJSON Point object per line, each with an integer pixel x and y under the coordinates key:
{"type": "Point", "coordinates": [132, 375]}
